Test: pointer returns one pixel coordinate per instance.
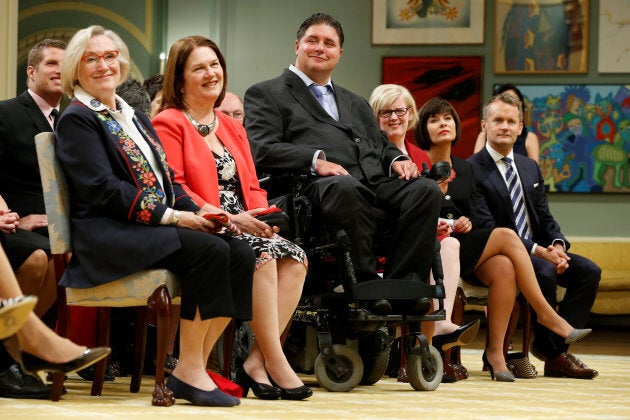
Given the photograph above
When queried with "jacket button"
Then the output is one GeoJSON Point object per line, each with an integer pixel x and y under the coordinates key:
{"type": "Point", "coordinates": [357, 140]}
{"type": "Point", "coordinates": [450, 215]}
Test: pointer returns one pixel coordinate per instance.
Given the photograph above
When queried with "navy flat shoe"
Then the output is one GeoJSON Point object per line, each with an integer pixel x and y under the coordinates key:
{"type": "Point", "coordinates": [196, 396]}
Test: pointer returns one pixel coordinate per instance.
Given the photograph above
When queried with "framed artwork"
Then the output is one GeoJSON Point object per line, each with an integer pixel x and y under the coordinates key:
{"type": "Point", "coordinates": [533, 36]}
{"type": "Point", "coordinates": [427, 22]}
{"type": "Point", "coordinates": [614, 32]}
{"type": "Point", "coordinates": [584, 134]}
{"type": "Point", "coordinates": [455, 79]}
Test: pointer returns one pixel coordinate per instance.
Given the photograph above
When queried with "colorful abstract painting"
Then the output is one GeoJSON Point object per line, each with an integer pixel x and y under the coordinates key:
{"type": "Point", "coordinates": [455, 79]}
{"type": "Point", "coordinates": [584, 133]}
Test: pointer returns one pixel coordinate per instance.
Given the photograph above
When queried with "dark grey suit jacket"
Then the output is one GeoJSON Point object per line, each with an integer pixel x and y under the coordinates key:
{"type": "Point", "coordinates": [493, 205]}
{"type": "Point", "coordinates": [20, 184]}
{"type": "Point", "coordinates": [286, 125]}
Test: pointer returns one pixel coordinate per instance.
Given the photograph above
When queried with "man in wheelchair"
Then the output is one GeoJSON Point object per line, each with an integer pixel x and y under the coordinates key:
{"type": "Point", "coordinates": [303, 123]}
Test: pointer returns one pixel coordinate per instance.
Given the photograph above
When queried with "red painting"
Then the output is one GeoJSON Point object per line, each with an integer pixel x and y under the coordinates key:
{"type": "Point", "coordinates": [455, 79]}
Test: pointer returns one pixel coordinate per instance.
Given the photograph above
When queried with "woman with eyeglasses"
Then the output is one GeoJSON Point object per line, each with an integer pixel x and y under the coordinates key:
{"type": "Point", "coordinates": [129, 215]}
{"type": "Point", "coordinates": [395, 110]}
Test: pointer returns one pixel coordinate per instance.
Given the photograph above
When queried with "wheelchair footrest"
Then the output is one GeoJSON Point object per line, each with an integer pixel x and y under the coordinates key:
{"type": "Point", "coordinates": [392, 289]}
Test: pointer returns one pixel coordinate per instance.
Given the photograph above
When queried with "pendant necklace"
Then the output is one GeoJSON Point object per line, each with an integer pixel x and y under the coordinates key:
{"type": "Point", "coordinates": [203, 129]}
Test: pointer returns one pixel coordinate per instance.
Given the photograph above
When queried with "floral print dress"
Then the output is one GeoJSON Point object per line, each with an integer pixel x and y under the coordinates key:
{"type": "Point", "coordinates": [266, 249]}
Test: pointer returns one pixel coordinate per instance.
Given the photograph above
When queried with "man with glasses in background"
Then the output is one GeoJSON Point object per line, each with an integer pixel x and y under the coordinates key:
{"type": "Point", "coordinates": [301, 122]}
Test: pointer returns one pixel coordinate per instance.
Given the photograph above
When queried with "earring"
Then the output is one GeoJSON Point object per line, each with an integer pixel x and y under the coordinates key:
{"type": "Point", "coordinates": [182, 90]}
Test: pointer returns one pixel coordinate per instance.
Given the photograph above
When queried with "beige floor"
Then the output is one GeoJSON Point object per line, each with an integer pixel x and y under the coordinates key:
{"type": "Point", "coordinates": [608, 396]}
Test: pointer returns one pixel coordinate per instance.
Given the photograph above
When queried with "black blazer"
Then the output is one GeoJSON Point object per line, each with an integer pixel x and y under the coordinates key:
{"type": "Point", "coordinates": [493, 205]}
{"type": "Point", "coordinates": [20, 184]}
{"type": "Point", "coordinates": [106, 202]}
{"type": "Point", "coordinates": [286, 125]}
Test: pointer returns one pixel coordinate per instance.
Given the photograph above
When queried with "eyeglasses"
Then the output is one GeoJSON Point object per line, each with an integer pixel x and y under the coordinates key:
{"type": "Point", "coordinates": [236, 114]}
{"type": "Point", "coordinates": [92, 60]}
{"type": "Point", "coordinates": [386, 113]}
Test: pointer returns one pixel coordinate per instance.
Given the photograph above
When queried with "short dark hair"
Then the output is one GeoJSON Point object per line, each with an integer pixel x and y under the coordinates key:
{"type": "Point", "coordinates": [134, 94]}
{"type": "Point", "coordinates": [153, 85]}
{"type": "Point", "coordinates": [434, 106]}
{"type": "Point", "coordinates": [36, 54]}
{"type": "Point", "coordinates": [321, 18]}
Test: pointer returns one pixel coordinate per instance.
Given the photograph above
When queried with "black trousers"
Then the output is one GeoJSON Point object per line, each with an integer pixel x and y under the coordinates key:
{"type": "Point", "coordinates": [581, 281]}
{"type": "Point", "coordinates": [412, 208]}
{"type": "Point", "coordinates": [215, 274]}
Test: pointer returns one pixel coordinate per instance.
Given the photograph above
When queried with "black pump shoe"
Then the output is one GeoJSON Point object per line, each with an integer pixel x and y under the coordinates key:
{"type": "Point", "coordinates": [262, 391]}
{"type": "Point", "coordinates": [299, 393]}
{"type": "Point", "coordinates": [35, 366]}
{"type": "Point", "coordinates": [460, 337]}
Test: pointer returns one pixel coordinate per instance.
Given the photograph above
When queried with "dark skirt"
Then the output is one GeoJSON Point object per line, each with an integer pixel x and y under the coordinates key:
{"type": "Point", "coordinates": [20, 245]}
{"type": "Point", "coordinates": [470, 249]}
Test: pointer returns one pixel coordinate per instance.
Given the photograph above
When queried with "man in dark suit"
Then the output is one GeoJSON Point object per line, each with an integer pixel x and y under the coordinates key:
{"type": "Point", "coordinates": [540, 233]}
{"type": "Point", "coordinates": [21, 118]}
{"type": "Point", "coordinates": [334, 136]}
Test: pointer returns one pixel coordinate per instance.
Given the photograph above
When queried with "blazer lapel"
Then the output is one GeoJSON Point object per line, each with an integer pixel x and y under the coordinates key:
{"type": "Point", "coordinates": [34, 113]}
{"type": "Point", "coordinates": [305, 97]}
{"type": "Point", "coordinates": [498, 182]}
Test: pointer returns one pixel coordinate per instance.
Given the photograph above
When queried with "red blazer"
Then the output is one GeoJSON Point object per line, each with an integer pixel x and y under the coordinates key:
{"type": "Point", "coordinates": [417, 155]}
{"type": "Point", "coordinates": [193, 164]}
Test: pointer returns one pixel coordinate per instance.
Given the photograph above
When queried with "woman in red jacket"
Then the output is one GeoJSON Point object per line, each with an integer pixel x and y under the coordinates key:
{"type": "Point", "coordinates": [210, 156]}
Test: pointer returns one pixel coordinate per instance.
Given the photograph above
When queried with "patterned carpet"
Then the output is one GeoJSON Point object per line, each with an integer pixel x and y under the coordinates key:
{"type": "Point", "coordinates": [606, 397]}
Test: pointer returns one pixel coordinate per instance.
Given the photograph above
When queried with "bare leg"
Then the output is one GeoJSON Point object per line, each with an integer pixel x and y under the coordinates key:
{"type": "Point", "coordinates": [277, 288]}
{"type": "Point", "coordinates": [498, 274]}
{"type": "Point", "coordinates": [449, 252]}
{"type": "Point", "coordinates": [35, 337]}
{"type": "Point", "coordinates": [192, 364]}
{"type": "Point", "coordinates": [217, 326]}
{"type": "Point", "coordinates": [504, 241]}
{"type": "Point", "coordinates": [31, 276]}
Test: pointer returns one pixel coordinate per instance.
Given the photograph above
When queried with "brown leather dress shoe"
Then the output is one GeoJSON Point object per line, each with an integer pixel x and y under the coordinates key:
{"type": "Point", "coordinates": [581, 364]}
{"type": "Point", "coordinates": [565, 366]}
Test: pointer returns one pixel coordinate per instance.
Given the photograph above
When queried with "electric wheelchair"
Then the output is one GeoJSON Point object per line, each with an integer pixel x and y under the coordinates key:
{"type": "Point", "coordinates": [332, 334]}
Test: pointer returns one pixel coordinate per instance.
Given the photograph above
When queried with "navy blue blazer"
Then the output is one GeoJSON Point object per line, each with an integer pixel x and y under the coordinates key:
{"type": "Point", "coordinates": [20, 183]}
{"type": "Point", "coordinates": [115, 225]}
{"type": "Point", "coordinates": [286, 124]}
{"type": "Point", "coordinates": [493, 205]}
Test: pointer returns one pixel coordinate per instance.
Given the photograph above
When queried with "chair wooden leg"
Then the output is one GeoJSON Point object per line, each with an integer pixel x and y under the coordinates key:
{"type": "Point", "coordinates": [102, 339]}
{"type": "Point", "coordinates": [228, 349]}
{"type": "Point", "coordinates": [160, 303]}
{"type": "Point", "coordinates": [526, 321]}
{"type": "Point", "coordinates": [511, 328]}
{"type": "Point", "coordinates": [63, 323]}
{"type": "Point", "coordinates": [139, 351]}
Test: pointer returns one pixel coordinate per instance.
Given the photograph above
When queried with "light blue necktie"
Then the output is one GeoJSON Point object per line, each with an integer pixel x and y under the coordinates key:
{"type": "Point", "coordinates": [326, 98]}
{"type": "Point", "coordinates": [516, 196]}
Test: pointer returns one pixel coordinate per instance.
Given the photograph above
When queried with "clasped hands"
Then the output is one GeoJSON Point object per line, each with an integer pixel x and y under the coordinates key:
{"type": "Point", "coordinates": [10, 221]}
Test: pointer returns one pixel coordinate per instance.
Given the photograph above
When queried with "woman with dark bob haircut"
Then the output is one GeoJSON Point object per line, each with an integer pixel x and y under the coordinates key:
{"type": "Point", "coordinates": [491, 257]}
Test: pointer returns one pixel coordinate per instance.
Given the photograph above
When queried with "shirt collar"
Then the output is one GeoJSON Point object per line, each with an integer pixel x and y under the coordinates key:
{"type": "Point", "coordinates": [307, 80]}
{"type": "Point", "coordinates": [95, 105]}
{"type": "Point", "coordinates": [42, 104]}
{"type": "Point", "coordinates": [496, 156]}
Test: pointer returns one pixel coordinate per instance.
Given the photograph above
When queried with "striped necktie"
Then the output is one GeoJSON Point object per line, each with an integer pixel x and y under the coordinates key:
{"type": "Point", "coordinates": [516, 196]}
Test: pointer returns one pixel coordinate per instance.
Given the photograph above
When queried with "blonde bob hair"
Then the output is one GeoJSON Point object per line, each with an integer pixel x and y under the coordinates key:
{"type": "Point", "coordinates": [385, 95]}
{"type": "Point", "coordinates": [75, 50]}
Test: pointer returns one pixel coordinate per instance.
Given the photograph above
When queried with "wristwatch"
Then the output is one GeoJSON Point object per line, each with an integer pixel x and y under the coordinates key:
{"type": "Point", "coordinates": [175, 217]}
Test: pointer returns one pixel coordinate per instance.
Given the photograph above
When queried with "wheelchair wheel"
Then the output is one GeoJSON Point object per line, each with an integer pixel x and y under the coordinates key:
{"type": "Point", "coordinates": [423, 374]}
{"type": "Point", "coordinates": [374, 351]}
{"type": "Point", "coordinates": [341, 373]}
